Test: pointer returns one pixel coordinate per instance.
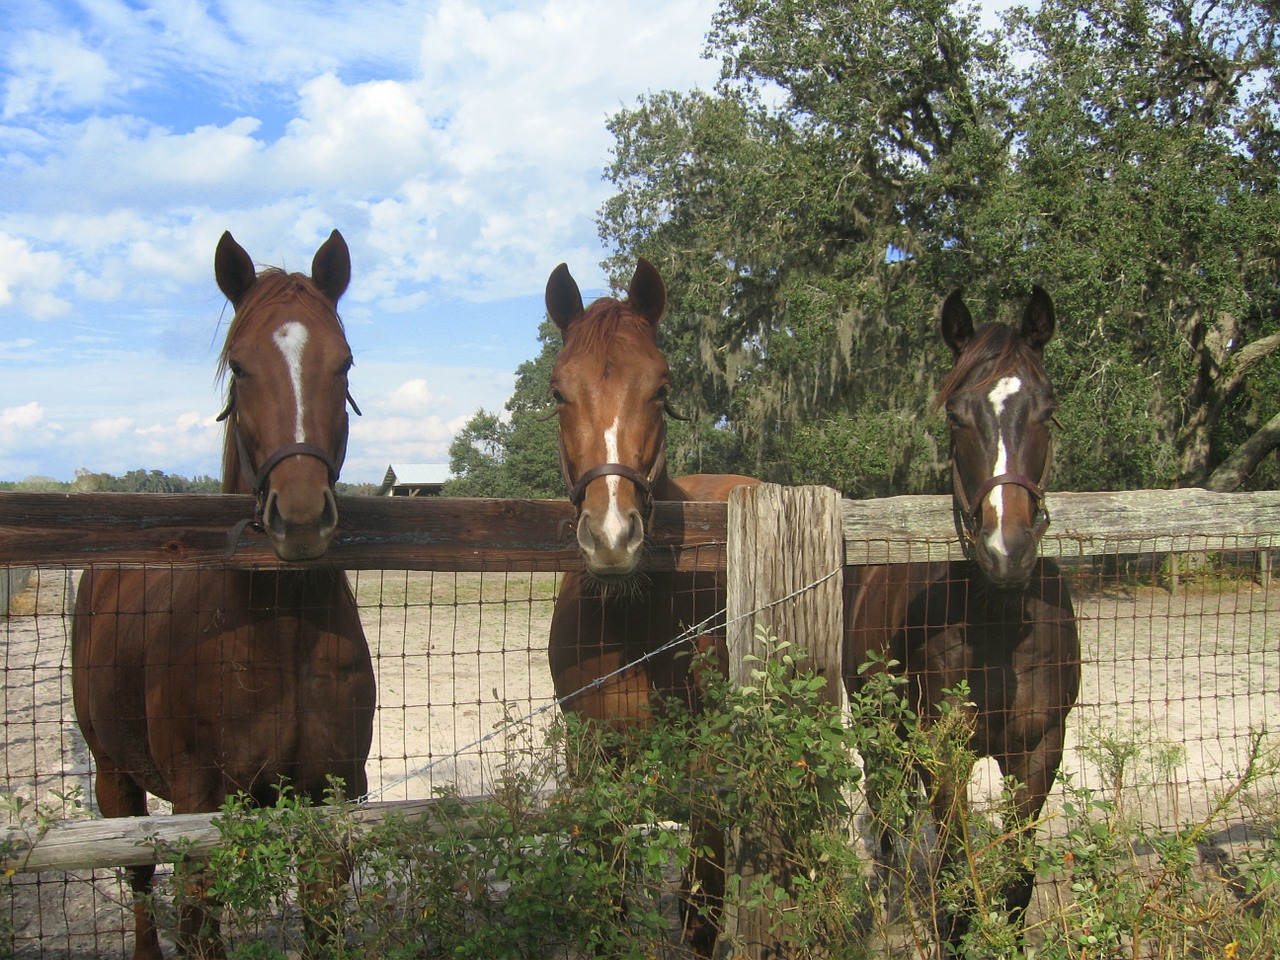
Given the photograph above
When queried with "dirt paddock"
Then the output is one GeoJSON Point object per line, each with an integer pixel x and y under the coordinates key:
{"type": "Point", "coordinates": [1188, 675]}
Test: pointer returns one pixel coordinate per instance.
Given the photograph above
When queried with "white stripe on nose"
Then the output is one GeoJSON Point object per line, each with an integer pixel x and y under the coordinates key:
{"type": "Point", "coordinates": [291, 338]}
{"type": "Point", "coordinates": [1000, 393]}
{"type": "Point", "coordinates": [614, 527]}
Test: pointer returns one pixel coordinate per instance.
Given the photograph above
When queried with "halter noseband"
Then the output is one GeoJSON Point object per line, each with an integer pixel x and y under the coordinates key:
{"type": "Point", "coordinates": [968, 516]}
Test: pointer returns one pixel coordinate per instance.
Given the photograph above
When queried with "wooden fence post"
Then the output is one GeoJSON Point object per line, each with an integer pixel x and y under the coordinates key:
{"type": "Point", "coordinates": [785, 562]}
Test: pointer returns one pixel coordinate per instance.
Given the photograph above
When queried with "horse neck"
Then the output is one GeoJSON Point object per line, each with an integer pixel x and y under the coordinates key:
{"type": "Point", "coordinates": [664, 488]}
{"type": "Point", "coordinates": [315, 588]}
{"type": "Point", "coordinates": [232, 475]}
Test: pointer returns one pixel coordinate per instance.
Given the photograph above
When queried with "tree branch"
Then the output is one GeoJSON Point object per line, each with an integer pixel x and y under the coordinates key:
{"type": "Point", "coordinates": [1248, 357]}
{"type": "Point", "coordinates": [1235, 469]}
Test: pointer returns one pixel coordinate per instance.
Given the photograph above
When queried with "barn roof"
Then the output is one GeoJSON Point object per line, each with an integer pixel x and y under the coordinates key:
{"type": "Point", "coordinates": [415, 474]}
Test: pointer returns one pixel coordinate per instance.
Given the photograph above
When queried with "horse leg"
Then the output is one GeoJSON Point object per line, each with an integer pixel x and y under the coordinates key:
{"type": "Point", "coordinates": [199, 928]}
{"type": "Point", "coordinates": [323, 894]}
{"type": "Point", "coordinates": [948, 800]}
{"type": "Point", "coordinates": [886, 786]}
{"type": "Point", "coordinates": [119, 796]}
{"type": "Point", "coordinates": [1034, 771]}
{"type": "Point", "coordinates": [702, 889]}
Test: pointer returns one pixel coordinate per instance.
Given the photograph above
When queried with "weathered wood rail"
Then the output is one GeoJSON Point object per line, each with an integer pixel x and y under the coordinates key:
{"type": "Point", "coordinates": [434, 533]}
{"type": "Point", "coordinates": [138, 841]}
{"type": "Point", "coordinates": [521, 535]}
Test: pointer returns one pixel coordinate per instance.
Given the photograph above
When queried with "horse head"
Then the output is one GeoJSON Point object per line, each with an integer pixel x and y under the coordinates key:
{"type": "Point", "coordinates": [286, 416]}
{"type": "Point", "coordinates": [1000, 406]}
{"type": "Point", "coordinates": [611, 385]}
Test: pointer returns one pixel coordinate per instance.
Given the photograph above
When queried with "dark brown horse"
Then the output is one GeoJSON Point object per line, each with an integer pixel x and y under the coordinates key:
{"type": "Point", "coordinates": [612, 385]}
{"type": "Point", "coordinates": [195, 685]}
{"type": "Point", "coordinates": [1001, 620]}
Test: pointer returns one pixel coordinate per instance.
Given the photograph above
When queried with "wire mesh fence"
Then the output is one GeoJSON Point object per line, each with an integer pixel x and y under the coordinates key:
{"type": "Point", "coordinates": [455, 655]}
{"type": "Point", "coordinates": [1181, 667]}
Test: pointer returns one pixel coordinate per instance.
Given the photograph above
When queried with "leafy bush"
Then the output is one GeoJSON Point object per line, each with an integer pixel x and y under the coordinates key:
{"type": "Point", "coordinates": [580, 849]}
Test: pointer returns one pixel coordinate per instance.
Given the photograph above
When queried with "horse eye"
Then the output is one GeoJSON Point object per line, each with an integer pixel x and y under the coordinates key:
{"type": "Point", "coordinates": [347, 365]}
{"type": "Point", "coordinates": [558, 397]}
{"type": "Point", "coordinates": [663, 394]}
{"type": "Point", "coordinates": [235, 368]}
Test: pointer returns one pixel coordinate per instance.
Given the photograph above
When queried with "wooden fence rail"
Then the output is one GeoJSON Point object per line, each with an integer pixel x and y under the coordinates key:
{"type": "Point", "coordinates": [138, 841]}
{"type": "Point", "coordinates": [434, 533]}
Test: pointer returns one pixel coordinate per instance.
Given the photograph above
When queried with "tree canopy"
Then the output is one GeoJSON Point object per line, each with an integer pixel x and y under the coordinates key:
{"type": "Point", "coordinates": [857, 162]}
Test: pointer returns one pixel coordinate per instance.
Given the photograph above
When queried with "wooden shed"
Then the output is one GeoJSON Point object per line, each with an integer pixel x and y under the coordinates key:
{"type": "Point", "coordinates": [414, 480]}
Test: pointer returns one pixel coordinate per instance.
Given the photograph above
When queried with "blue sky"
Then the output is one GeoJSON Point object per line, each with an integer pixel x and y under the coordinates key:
{"type": "Point", "coordinates": [458, 146]}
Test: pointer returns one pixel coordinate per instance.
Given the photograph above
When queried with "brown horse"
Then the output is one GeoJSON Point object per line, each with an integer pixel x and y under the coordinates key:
{"type": "Point", "coordinates": [1001, 620]}
{"type": "Point", "coordinates": [195, 685]}
{"type": "Point", "coordinates": [612, 388]}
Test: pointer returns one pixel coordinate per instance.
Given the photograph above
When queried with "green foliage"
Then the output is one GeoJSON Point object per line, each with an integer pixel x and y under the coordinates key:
{"type": "Point", "coordinates": [577, 851]}
{"type": "Point", "coordinates": [855, 163]}
{"type": "Point", "coordinates": [144, 481]}
{"type": "Point", "coordinates": [26, 822]}
{"type": "Point", "coordinates": [867, 455]}
{"type": "Point", "coordinates": [36, 485]}
{"type": "Point", "coordinates": [514, 456]}
{"type": "Point", "coordinates": [1174, 893]}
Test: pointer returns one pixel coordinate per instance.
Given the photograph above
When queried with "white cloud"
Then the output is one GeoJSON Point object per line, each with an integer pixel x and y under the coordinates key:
{"type": "Point", "coordinates": [52, 71]}
{"type": "Point", "coordinates": [413, 396]}
{"type": "Point", "coordinates": [110, 428]}
{"type": "Point", "coordinates": [458, 145]}
{"type": "Point", "coordinates": [398, 440]}
{"type": "Point", "coordinates": [189, 437]}
{"type": "Point", "coordinates": [16, 419]}
{"type": "Point", "coordinates": [28, 278]}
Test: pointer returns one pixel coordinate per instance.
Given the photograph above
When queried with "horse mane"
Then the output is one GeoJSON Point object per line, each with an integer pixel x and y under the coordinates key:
{"type": "Point", "coordinates": [602, 323]}
{"type": "Point", "coordinates": [996, 344]}
{"type": "Point", "coordinates": [272, 287]}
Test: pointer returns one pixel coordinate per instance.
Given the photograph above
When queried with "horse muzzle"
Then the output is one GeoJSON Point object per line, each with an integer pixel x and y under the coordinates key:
{"type": "Point", "coordinates": [300, 533]}
{"type": "Point", "coordinates": [611, 544]}
{"type": "Point", "coordinates": [298, 510]}
{"type": "Point", "coordinates": [1006, 561]}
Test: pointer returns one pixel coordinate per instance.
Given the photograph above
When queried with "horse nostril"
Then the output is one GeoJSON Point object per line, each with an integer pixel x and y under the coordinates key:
{"type": "Point", "coordinates": [586, 539]}
{"type": "Point", "coordinates": [329, 514]}
{"type": "Point", "coordinates": [271, 515]}
{"type": "Point", "coordinates": [635, 535]}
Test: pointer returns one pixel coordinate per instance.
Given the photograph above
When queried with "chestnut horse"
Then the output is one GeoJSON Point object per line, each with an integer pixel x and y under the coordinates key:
{"type": "Point", "coordinates": [193, 685]}
{"type": "Point", "coordinates": [612, 386]}
{"type": "Point", "coordinates": [1001, 620]}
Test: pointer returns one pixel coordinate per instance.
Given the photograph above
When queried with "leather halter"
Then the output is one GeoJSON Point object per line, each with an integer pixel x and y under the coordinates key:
{"type": "Point", "coordinates": [643, 482]}
{"type": "Point", "coordinates": [969, 516]}
{"type": "Point", "coordinates": [257, 480]}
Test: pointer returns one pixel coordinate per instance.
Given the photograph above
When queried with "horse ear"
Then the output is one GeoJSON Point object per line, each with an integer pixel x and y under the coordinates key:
{"type": "Point", "coordinates": [234, 269]}
{"type": "Point", "coordinates": [564, 300]}
{"type": "Point", "coordinates": [957, 322]}
{"type": "Point", "coordinates": [647, 294]}
{"type": "Point", "coordinates": [331, 267]}
{"type": "Point", "coordinates": [1039, 319]}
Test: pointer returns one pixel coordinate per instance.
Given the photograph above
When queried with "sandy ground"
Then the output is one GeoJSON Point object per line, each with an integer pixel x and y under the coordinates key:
{"type": "Point", "coordinates": [456, 653]}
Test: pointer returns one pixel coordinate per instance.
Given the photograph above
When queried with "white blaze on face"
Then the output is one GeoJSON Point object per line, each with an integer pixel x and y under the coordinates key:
{"type": "Point", "coordinates": [291, 338]}
{"type": "Point", "coordinates": [614, 527]}
{"type": "Point", "coordinates": [1000, 393]}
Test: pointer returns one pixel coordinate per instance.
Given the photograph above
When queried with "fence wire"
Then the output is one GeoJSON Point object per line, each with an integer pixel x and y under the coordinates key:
{"type": "Point", "coordinates": [1181, 665]}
